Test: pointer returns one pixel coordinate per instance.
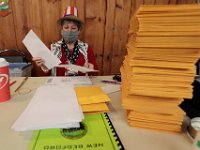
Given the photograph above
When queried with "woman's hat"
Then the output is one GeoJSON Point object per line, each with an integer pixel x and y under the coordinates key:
{"type": "Point", "coordinates": [70, 13]}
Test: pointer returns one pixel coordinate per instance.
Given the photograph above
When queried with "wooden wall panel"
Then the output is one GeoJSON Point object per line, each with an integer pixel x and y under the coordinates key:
{"type": "Point", "coordinates": [172, 1]}
{"type": "Point", "coordinates": [149, 2]}
{"type": "Point", "coordinates": [106, 25]}
{"type": "Point", "coordinates": [121, 25]}
{"type": "Point", "coordinates": [186, 1]}
{"type": "Point", "coordinates": [109, 36]}
{"type": "Point", "coordinates": [50, 14]}
{"type": "Point", "coordinates": [19, 22]}
{"type": "Point", "coordinates": [32, 9]}
{"type": "Point", "coordinates": [7, 32]}
{"type": "Point", "coordinates": [133, 7]}
{"type": "Point", "coordinates": [94, 27]}
{"type": "Point", "coordinates": [138, 3]}
{"type": "Point", "coordinates": [81, 13]}
{"type": "Point", "coordinates": [162, 2]}
{"type": "Point", "coordinates": [34, 16]}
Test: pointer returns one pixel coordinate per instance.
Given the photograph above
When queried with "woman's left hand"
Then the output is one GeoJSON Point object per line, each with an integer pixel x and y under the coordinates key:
{"type": "Point", "coordinates": [88, 65]}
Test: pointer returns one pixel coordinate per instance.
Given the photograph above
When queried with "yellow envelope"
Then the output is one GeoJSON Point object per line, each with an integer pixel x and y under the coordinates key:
{"type": "Point", "coordinates": [91, 95]}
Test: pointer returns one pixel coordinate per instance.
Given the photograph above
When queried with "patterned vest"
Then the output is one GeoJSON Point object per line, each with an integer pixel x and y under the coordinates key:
{"type": "Point", "coordinates": [56, 49]}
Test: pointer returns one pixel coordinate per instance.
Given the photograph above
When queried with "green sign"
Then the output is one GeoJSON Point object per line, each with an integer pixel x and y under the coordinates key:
{"type": "Point", "coordinates": [4, 5]}
{"type": "Point", "coordinates": [198, 144]}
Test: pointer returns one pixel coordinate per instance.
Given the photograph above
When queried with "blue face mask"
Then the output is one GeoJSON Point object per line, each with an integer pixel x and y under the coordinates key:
{"type": "Point", "coordinates": [69, 36]}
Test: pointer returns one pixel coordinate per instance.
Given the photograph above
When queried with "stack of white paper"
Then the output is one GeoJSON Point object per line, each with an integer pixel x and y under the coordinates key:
{"type": "Point", "coordinates": [52, 106]}
{"type": "Point", "coordinates": [74, 80]}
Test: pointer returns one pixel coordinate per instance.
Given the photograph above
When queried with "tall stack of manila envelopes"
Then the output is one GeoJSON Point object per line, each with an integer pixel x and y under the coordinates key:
{"type": "Point", "coordinates": [159, 68]}
{"type": "Point", "coordinates": [92, 99]}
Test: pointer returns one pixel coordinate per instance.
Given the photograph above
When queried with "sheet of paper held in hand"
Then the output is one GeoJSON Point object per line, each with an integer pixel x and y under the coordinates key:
{"type": "Point", "coordinates": [77, 68]}
{"type": "Point", "coordinates": [38, 49]}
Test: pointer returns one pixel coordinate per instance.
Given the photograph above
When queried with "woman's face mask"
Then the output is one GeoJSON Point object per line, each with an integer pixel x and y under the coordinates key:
{"type": "Point", "coordinates": [70, 36]}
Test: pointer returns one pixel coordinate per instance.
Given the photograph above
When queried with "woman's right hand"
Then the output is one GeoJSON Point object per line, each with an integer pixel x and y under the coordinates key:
{"type": "Point", "coordinates": [38, 61]}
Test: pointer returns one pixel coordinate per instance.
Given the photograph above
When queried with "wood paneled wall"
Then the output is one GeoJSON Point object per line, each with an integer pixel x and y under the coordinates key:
{"type": "Point", "coordinates": [106, 25]}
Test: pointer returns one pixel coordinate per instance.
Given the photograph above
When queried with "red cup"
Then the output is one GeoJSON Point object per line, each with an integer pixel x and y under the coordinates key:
{"type": "Point", "coordinates": [4, 80]}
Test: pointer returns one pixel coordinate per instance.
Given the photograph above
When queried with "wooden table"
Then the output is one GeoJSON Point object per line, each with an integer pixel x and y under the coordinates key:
{"type": "Point", "coordinates": [132, 138]}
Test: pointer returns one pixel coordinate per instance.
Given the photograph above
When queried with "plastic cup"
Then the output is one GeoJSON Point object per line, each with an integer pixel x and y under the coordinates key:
{"type": "Point", "coordinates": [4, 80]}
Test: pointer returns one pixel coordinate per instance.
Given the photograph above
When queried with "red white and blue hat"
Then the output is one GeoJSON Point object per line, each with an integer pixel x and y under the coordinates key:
{"type": "Point", "coordinates": [70, 13]}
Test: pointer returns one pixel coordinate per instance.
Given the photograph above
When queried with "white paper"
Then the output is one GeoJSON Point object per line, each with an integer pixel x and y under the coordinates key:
{"type": "Point", "coordinates": [38, 49]}
{"type": "Point", "coordinates": [77, 68]}
{"type": "Point", "coordinates": [75, 80]}
{"type": "Point", "coordinates": [52, 106]}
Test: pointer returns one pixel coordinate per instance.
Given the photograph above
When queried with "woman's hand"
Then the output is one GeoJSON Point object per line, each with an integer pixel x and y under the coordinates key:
{"type": "Point", "coordinates": [40, 63]}
{"type": "Point", "coordinates": [88, 65]}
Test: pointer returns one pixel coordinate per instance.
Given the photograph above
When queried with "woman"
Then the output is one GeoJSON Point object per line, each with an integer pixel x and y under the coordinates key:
{"type": "Point", "coordinates": [70, 50]}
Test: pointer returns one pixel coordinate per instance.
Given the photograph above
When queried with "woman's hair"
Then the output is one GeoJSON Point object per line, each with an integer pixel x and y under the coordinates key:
{"type": "Point", "coordinates": [77, 23]}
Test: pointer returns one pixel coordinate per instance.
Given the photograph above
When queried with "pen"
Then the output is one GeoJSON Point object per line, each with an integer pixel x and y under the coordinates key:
{"type": "Point", "coordinates": [25, 79]}
{"type": "Point", "coordinates": [13, 82]}
{"type": "Point", "coordinates": [111, 82]}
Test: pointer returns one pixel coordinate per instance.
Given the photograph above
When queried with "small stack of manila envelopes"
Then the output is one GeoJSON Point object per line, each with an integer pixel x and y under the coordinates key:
{"type": "Point", "coordinates": [187, 73]}
{"type": "Point", "coordinates": [130, 87]}
{"type": "Point", "coordinates": [128, 103]}
{"type": "Point", "coordinates": [163, 85]}
{"type": "Point", "coordinates": [168, 42]}
{"type": "Point", "coordinates": [94, 108]}
{"type": "Point", "coordinates": [178, 19]}
{"type": "Point", "coordinates": [92, 99]}
{"type": "Point", "coordinates": [177, 22]}
{"type": "Point", "coordinates": [153, 105]}
{"type": "Point", "coordinates": [164, 122]}
{"type": "Point", "coordinates": [146, 11]}
{"type": "Point", "coordinates": [155, 117]}
{"type": "Point", "coordinates": [167, 55]}
{"type": "Point", "coordinates": [175, 54]}
{"type": "Point", "coordinates": [147, 104]}
{"type": "Point", "coordinates": [144, 105]}
{"type": "Point", "coordinates": [155, 85]}
{"type": "Point", "coordinates": [156, 126]}
{"type": "Point", "coordinates": [148, 99]}
{"type": "Point", "coordinates": [169, 28]}
{"type": "Point", "coordinates": [159, 63]}
{"type": "Point", "coordinates": [156, 76]}
{"type": "Point", "coordinates": [182, 77]}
